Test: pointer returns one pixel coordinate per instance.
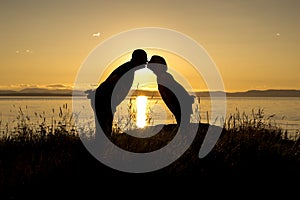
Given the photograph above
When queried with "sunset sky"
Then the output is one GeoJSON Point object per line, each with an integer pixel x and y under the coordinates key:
{"type": "Point", "coordinates": [255, 44]}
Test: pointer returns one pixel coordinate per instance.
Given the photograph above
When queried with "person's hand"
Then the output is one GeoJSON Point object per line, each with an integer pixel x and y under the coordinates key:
{"type": "Point", "coordinates": [90, 93]}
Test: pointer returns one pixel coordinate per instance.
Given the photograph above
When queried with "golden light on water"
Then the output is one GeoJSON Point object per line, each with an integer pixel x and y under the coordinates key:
{"type": "Point", "coordinates": [141, 107]}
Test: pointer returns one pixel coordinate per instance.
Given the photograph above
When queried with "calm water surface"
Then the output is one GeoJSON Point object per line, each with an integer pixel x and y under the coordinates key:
{"type": "Point", "coordinates": [285, 111]}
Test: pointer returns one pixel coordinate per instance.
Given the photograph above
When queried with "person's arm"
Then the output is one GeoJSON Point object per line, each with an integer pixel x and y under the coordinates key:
{"type": "Point", "coordinates": [112, 79]}
{"type": "Point", "coordinates": [118, 72]}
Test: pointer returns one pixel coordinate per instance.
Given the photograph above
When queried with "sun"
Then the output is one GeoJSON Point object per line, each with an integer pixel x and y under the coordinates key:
{"type": "Point", "coordinates": [141, 107]}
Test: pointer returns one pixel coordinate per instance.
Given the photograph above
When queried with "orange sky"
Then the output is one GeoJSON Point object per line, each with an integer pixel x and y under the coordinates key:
{"type": "Point", "coordinates": [254, 44]}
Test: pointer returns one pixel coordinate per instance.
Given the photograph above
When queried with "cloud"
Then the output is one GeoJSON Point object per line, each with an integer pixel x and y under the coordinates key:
{"type": "Point", "coordinates": [145, 86]}
{"type": "Point", "coordinates": [96, 34]}
{"type": "Point", "coordinates": [26, 51]}
{"type": "Point", "coordinates": [18, 86]}
{"type": "Point", "coordinates": [58, 86]}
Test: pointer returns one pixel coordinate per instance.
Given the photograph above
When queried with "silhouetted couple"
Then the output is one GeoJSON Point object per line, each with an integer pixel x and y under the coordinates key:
{"type": "Point", "coordinates": [107, 97]}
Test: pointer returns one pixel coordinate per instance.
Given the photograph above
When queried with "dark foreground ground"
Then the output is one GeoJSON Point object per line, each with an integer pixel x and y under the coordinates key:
{"type": "Point", "coordinates": [62, 163]}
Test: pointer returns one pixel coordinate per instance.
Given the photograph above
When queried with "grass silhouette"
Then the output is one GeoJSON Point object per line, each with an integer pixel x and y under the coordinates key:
{"type": "Point", "coordinates": [53, 154]}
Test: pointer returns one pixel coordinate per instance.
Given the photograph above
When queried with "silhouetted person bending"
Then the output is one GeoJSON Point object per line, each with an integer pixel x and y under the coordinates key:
{"type": "Point", "coordinates": [105, 106]}
{"type": "Point", "coordinates": [177, 99]}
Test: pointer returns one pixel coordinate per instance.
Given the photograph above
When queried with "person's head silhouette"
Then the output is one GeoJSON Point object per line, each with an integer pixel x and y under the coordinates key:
{"type": "Point", "coordinates": [139, 57]}
{"type": "Point", "coordinates": [157, 64]}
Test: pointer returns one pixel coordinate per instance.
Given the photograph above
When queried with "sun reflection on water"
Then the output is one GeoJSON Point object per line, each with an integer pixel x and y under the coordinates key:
{"type": "Point", "coordinates": [141, 116]}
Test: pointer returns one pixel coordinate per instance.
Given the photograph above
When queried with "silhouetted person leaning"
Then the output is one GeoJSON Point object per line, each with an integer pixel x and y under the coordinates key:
{"type": "Point", "coordinates": [177, 99]}
{"type": "Point", "coordinates": [105, 105]}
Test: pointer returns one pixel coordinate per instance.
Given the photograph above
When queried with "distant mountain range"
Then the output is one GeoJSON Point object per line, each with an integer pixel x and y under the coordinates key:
{"type": "Point", "coordinates": [249, 93]}
{"type": "Point", "coordinates": [40, 92]}
{"type": "Point", "coordinates": [265, 93]}
{"type": "Point", "coordinates": [65, 92]}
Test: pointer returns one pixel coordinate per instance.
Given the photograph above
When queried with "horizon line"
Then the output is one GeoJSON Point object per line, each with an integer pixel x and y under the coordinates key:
{"type": "Point", "coordinates": [148, 90]}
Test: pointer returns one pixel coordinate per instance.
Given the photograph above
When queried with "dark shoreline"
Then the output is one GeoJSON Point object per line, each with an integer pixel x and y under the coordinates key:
{"type": "Point", "coordinates": [249, 93]}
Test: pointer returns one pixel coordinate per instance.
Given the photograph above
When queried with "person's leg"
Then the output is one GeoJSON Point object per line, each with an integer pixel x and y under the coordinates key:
{"type": "Point", "coordinates": [177, 114]}
{"type": "Point", "coordinates": [105, 119]}
{"type": "Point", "coordinates": [185, 118]}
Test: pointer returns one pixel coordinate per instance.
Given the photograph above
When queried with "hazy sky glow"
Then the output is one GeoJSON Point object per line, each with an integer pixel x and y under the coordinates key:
{"type": "Point", "coordinates": [255, 44]}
